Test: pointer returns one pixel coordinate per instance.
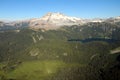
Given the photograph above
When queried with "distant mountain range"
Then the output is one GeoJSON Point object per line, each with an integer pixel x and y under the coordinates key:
{"type": "Point", "coordinates": [53, 21]}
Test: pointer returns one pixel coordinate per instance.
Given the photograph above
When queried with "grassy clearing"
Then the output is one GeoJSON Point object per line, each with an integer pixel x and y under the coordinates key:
{"type": "Point", "coordinates": [37, 70]}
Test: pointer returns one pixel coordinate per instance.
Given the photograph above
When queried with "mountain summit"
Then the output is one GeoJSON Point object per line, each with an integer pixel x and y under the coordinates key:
{"type": "Point", "coordinates": [55, 19]}
{"type": "Point", "coordinates": [59, 19]}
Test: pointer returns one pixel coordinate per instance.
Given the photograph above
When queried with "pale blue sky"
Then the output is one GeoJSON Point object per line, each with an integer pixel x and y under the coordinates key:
{"type": "Point", "coordinates": [25, 9]}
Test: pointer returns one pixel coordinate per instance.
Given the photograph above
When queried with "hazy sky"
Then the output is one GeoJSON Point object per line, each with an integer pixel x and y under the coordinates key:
{"type": "Point", "coordinates": [23, 9]}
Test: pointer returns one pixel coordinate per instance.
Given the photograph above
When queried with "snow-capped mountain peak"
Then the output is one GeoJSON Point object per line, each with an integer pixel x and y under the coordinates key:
{"type": "Point", "coordinates": [59, 18]}
{"type": "Point", "coordinates": [56, 20]}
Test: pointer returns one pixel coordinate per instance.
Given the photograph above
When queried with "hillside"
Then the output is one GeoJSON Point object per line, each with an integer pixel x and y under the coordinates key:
{"type": "Point", "coordinates": [47, 54]}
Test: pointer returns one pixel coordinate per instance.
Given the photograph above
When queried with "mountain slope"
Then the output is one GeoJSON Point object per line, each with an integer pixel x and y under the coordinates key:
{"type": "Point", "coordinates": [48, 55]}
